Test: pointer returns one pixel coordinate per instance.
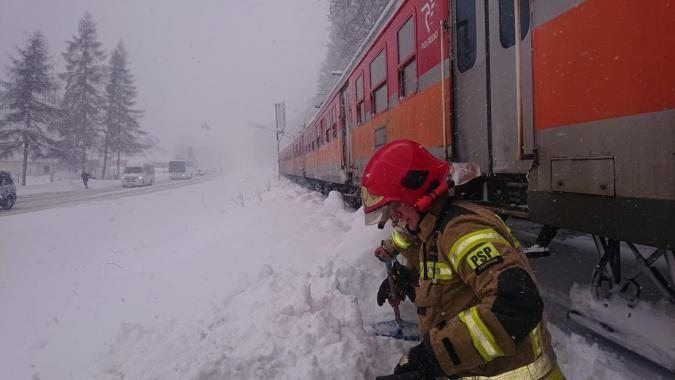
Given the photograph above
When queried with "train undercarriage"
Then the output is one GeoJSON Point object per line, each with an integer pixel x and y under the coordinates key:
{"type": "Point", "coordinates": [615, 312]}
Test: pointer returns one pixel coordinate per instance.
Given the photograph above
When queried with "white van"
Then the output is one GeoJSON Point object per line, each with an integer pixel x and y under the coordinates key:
{"type": "Point", "coordinates": [138, 175]}
{"type": "Point", "coordinates": [180, 169]}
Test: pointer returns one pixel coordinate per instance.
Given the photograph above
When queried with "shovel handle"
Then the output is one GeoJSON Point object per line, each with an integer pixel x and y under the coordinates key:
{"type": "Point", "coordinates": [394, 290]}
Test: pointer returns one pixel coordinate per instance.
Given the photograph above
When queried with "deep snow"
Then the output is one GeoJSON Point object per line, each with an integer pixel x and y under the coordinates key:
{"type": "Point", "coordinates": [240, 277]}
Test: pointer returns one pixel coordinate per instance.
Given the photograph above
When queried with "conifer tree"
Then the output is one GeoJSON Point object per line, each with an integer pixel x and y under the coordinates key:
{"type": "Point", "coordinates": [30, 100]}
{"type": "Point", "coordinates": [82, 100]}
{"type": "Point", "coordinates": [122, 131]}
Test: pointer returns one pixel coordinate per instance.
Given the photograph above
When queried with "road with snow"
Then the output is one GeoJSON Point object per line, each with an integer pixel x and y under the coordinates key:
{"type": "Point", "coordinates": [46, 200]}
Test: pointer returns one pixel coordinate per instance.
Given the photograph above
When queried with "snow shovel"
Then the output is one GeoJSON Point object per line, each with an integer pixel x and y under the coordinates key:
{"type": "Point", "coordinates": [398, 328]}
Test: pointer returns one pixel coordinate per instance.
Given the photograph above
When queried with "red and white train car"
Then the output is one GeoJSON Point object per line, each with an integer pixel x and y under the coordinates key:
{"type": "Point", "coordinates": [575, 119]}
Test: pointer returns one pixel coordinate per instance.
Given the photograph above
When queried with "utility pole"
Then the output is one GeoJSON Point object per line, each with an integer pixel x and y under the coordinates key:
{"type": "Point", "coordinates": [280, 115]}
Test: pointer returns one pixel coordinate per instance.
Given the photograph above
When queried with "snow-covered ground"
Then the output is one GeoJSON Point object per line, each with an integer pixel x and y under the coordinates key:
{"type": "Point", "coordinates": [243, 277]}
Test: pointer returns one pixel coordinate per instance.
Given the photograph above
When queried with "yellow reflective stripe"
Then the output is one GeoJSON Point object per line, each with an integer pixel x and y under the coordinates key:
{"type": "Point", "coordinates": [398, 240]}
{"type": "Point", "coordinates": [537, 341]}
{"type": "Point", "coordinates": [516, 243]}
{"type": "Point", "coordinates": [442, 271]}
{"type": "Point", "coordinates": [542, 368]}
{"type": "Point", "coordinates": [481, 337]}
{"type": "Point", "coordinates": [464, 244]}
{"type": "Point", "coordinates": [555, 374]}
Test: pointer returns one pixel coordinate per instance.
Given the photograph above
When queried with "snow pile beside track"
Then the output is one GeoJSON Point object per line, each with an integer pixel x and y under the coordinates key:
{"type": "Point", "coordinates": [581, 360]}
{"type": "Point", "coordinates": [645, 326]}
{"type": "Point", "coordinates": [284, 327]}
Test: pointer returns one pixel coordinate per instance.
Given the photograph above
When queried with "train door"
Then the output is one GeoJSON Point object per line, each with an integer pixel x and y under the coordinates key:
{"type": "Point", "coordinates": [510, 83]}
{"type": "Point", "coordinates": [471, 139]}
{"type": "Point", "coordinates": [484, 85]}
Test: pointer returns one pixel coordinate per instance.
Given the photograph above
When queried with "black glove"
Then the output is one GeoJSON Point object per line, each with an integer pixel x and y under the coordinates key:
{"type": "Point", "coordinates": [417, 360]}
{"type": "Point", "coordinates": [405, 280]}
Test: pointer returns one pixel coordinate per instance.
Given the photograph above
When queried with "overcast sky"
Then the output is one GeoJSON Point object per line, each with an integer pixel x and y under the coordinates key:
{"type": "Point", "coordinates": [223, 62]}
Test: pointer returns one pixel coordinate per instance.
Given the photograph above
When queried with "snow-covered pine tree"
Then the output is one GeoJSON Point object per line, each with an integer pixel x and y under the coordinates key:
{"type": "Point", "coordinates": [122, 131]}
{"type": "Point", "coordinates": [82, 101]}
{"type": "Point", "coordinates": [30, 100]}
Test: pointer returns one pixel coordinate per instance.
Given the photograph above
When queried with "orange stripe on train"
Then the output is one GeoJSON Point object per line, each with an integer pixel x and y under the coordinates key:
{"type": "Point", "coordinates": [604, 59]}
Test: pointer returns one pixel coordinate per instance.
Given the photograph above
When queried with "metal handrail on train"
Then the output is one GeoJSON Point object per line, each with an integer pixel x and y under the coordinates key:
{"type": "Point", "coordinates": [521, 155]}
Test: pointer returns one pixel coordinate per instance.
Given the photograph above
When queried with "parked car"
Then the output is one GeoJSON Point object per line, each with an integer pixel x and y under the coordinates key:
{"type": "Point", "coordinates": [138, 175]}
{"type": "Point", "coordinates": [7, 190]}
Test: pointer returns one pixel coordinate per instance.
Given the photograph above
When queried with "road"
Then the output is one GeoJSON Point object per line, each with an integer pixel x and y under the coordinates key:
{"type": "Point", "coordinates": [42, 201]}
{"type": "Point", "coordinates": [572, 260]}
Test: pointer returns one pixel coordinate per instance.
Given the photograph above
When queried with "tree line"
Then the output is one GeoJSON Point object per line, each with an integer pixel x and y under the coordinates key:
{"type": "Point", "coordinates": [89, 108]}
{"type": "Point", "coordinates": [350, 23]}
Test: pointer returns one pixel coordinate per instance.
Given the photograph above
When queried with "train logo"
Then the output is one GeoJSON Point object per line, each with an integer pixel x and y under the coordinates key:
{"type": "Point", "coordinates": [428, 9]}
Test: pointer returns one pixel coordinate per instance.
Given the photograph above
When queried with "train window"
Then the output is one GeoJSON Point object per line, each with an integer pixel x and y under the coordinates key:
{"type": "Point", "coordinates": [333, 122]}
{"type": "Point", "coordinates": [406, 41]}
{"type": "Point", "coordinates": [346, 110]}
{"type": "Point", "coordinates": [360, 101]}
{"type": "Point", "coordinates": [466, 34]}
{"type": "Point", "coordinates": [407, 64]}
{"type": "Point", "coordinates": [333, 119]}
{"type": "Point", "coordinates": [380, 101]}
{"type": "Point", "coordinates": [324, 131]}
{"type": "Point", "coordinates": [380, 136]}
{"type": "Point", "coordinates": [507, 28]}
{"type": "Point", "coordinates": [378, 83]}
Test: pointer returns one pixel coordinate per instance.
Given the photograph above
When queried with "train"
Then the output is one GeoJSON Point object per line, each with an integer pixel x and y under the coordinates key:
{"type": "Point", "coordinates": [572, 124]}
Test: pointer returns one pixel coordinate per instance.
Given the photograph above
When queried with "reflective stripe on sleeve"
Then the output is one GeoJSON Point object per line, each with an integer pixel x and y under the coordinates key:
{"type": "Point", "coordinates": [537, 341]}
{"type": "Point", "coordinates": [441, 271]}
{"type": "Point", "coordinates": [516, 243]}
{"type": "Point", "coordinates": [481, 337]}
{"type": "Point", "coordinates": [399, 240]}
{"type": "Point", "coordinates": [465, 243]}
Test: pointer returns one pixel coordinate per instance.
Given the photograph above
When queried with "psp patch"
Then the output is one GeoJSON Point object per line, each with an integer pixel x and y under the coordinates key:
{"type": "Point", "coordinates": [483, 257]}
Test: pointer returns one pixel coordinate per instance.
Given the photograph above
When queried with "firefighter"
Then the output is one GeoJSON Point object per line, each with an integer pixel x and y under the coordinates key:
{"type": "Point", "coordinates": [480, 312]}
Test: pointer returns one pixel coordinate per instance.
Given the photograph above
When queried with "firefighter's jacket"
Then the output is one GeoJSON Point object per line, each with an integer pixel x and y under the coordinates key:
{"type": "Point", "coordinates": [479, 308]}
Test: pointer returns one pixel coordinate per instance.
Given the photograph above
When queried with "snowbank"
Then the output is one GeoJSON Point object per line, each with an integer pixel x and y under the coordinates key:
{"type": "Point", "coordinates": [581, 360]}
{"type": "Point", "coordinates": [646, 327]}
{"type": "Point", "coordinates": [242, 278]}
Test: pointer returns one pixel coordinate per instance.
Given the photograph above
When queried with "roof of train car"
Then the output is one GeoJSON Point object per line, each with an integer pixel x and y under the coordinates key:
{"type": "Point", "coordinates": [382, 22]}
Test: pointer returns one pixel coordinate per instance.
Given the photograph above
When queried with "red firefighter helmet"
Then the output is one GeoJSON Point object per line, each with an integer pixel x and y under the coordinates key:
{"type": "Point", "coordinates": [402, 171]}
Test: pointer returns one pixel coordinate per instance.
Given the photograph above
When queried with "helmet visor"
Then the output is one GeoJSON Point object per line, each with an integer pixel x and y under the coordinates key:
{"type": "Point", "coordinates": [368, 199]}
{"type": "Point", "coordinates": [380, 215]}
